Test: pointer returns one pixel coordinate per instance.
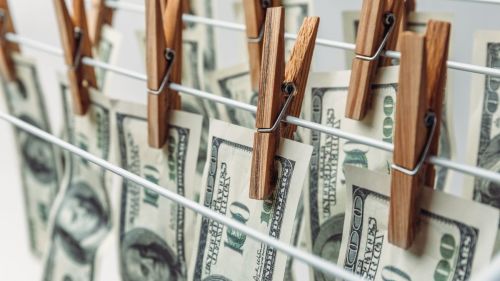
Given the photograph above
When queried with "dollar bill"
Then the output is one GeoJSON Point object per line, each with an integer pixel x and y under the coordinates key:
{"type": "Point", "coordinates": [220, 251]}
{"type": "Point", "coordinates": [234, 83]}
{"type": "Point", "coordinates": [417, 22]}
{"type": "Point", "coordinates": [155, 232]}
{"type": "Point", "coordinates": [192, 76]}
{"type": "Point", "coordinates": [326, 96]}
{"type": "Point", "coordinates": [453, 240]}
{"type": "Point", "coordinates": [484, 125]}
{"type": "Point", "coordinates": [107, 52]}
{"type": "Point", "coordinates": [206, 33]}
{"type": "Point", "coordinates": [81, 217]}
{"type": "Point", "coordinates": [39, 166]}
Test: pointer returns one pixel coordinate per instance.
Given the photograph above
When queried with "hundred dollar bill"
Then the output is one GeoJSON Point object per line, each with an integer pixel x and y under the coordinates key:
{"type": "Point", "coordinates": [206, 33]}
{"type": "Point", "coordinates": [234, 83]}
{"type": "Point", "coordinates": [220, 251]}
{"type": "Point", "coordinates": [81, 217]}
{"type": "Point", "coordinates": [417, 22]}
{"type": "Point", "coordinates": [453, 240]}
{"type": "Point", "coordinates": [325, 104]}
{"type": "Point", "coordinates": [40, 171]}
{"type": "Point", "coordinates": [192, 76]}
{"type": "Point", "coordinates": [107, 52]}
{"type": "Point", "coordinates": [484, 124]}
{"type": "Point", "coordinates": [155, 232]}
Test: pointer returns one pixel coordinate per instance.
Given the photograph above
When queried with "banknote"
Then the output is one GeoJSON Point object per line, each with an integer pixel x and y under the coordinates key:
{"type": "Point", "coordinates": [234, 83]}
{"type": "Point", "coordinates": [206, 33]}
{"type": "Point", "coordinates": [40, 170]}
{"type": "Point", "coordinates": [219, 251]}
{"type": "Point", "coordinates": [484, 125]}
{"type": "Point", "coordinates": [192, 76]}
{"type": "Point", "coordinates": [107, 52]}
{"type": "Point", "coordinates": [326, 96]}
{"type": "Point", "coordinates": [453, 241]}
{"type": "Point", "coordinates": [155, 232]}
{"type": "Point", "coordinates": [417, 22]}
{"type": "Point", "coordinates": [81, 217]}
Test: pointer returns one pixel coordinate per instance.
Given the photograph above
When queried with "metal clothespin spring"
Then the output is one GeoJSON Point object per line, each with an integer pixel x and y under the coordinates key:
{"type": "Point", "coordinates": [254, 40]}
{"type": "Point", "coordinates": [390, 23]}
{"type": "Point", "coordinates": [79, 46]}
{"type": "Point", "coordinates": [289, 90]}
{"type": "Point", "coordinates": [430, 121]}
{"type": "Point", "coordinates": [170, 58]}
{"type": "Point", "coordinates": [3, 19]}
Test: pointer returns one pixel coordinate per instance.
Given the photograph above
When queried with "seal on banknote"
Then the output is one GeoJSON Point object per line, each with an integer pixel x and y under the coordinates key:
{"type": "Point", "coordinates": [37, 155]}
{"type": "Point", "coordinates": [327, 243]}
{"type": "Point", "coordinates": [486, 191]}
{"type": "Point", "coordinates": [146, 256]}
{"type": "Point", "coordinates": [81, 222]}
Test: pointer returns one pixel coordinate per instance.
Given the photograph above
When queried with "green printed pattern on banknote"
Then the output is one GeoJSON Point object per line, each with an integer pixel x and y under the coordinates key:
{"type": "Point", "coordinates": [452, 241]}
{"type": "Point", "coordinates": [81, 217]}
{"type": "Point", "coordinates": [325, 205]}
{"type": "Point", "coordinates": [153, 234]}
{"type": "Point", "coordinates": [220, 250]}
{"type": "Point", "coordinates": [39, 169]}
{"type": "Point", "coordinates": [106, 52]}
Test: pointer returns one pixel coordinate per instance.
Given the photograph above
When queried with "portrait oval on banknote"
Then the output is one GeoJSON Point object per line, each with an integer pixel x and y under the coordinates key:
{"type": "Point", "coordinates": [82, 222]}
{"type": "Point", "coordinates": [489, 192]}
{"type": "Point", "coordinates": [146, 256]}
{"type": "Point", "coordinates": [216, 278]}
{"type": "Point", "coordinates": [37, 155]}
{"type": "Point", "coordinates": [327, 243]}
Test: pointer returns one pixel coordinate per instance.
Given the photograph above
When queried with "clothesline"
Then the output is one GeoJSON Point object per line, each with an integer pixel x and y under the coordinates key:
{"type": "Point", "coordinates": [438, 161]}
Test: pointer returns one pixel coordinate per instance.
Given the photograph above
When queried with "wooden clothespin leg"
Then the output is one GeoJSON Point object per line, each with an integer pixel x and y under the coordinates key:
{"type": "Point", "coordinates": [280, 93]}
{"type": "Point", "coordinates": [100, 16]}
{"type": "Point", "coordinates": [7, 48]}
{"type": "Point", "coordinates": [76, 45]}
{"type": "Point", "coordinates": [437, 42]}
{"type": "Point", "coordinates": [410, 138]}
{"type": "Point", "coordinates": [255, 15]}
{"type": "Point", "coordinates": [379, 18]}
{"type": "Point", "coordinates": [164, 62]}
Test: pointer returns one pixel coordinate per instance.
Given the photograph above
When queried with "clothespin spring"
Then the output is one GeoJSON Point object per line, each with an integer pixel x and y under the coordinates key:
{"type": "Point", "coordinates": [289, 90]}
{"type": "Point", "coordinates": [389, 22]}
{"type": "Point", "coordinates": [170, 57]}
{"type": "Point", "coordinates": [79, 42]}
{"type": "Point", "coordinates": [3, 18]}
{"type": "Point", "coordinates": [430, 121]}
{"type": "Point", "coordinates": [255, 40]}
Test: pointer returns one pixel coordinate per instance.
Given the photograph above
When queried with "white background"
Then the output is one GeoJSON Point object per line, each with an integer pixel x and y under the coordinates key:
{"type": "Point", "coordinates": [35, 19]}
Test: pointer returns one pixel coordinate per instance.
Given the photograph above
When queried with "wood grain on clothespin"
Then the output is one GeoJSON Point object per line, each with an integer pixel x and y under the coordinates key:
{"type": "Point", "coordinates": [7, 48]}
{"type": "Point", "coordinates": [410, 136]}
{"type": "Point", "coordinates": [297, 69]}
{"type": "Point", "coordinates": [255, 15]}
{"type": "Point", "coordinates": [437, 43]}
{"type": "Point", "coordinates": [76, 45]}
{"type": "Point", "coordinates": [163, 39]}
{"type": "Point", "coordinates": [279, 87]}
{"type": "Point", "coordinates": [101, 15]}
{"type": "Point", "coordinates": [373, 26]}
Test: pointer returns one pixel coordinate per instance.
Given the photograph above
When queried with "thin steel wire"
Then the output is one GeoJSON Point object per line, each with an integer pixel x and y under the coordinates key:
{"type": "Point", "coordinates": [320, 41]}
{"type": "Point", "coordinates": [463, 168]}
{"type": "Point", "coordinates": [312, 260]}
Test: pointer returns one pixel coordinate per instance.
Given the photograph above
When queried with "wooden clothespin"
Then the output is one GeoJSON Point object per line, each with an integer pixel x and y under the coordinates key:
{"type": "Point", "coordinates": [281, 93]}
{"type": "Point", "coordinates": [7, 48]}
{"type": "Point", "coordinates": [418, 110]}
{"type": "Point", "coordinates": [437, 45]}
{"type": "Point", "coordinates": [76, 45]}
{"type": "Point", "coordinates": [379, 18]}
{"type": "Point", "coordinates": [100, 16]}
{"type": "Point", "coordinates": [164, 62]}
{"type": "Point", "coordinates": [255, 15]}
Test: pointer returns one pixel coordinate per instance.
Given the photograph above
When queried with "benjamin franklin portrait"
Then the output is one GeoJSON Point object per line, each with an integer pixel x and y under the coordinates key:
{"type": "Point", "coordinates": [145, 256]}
